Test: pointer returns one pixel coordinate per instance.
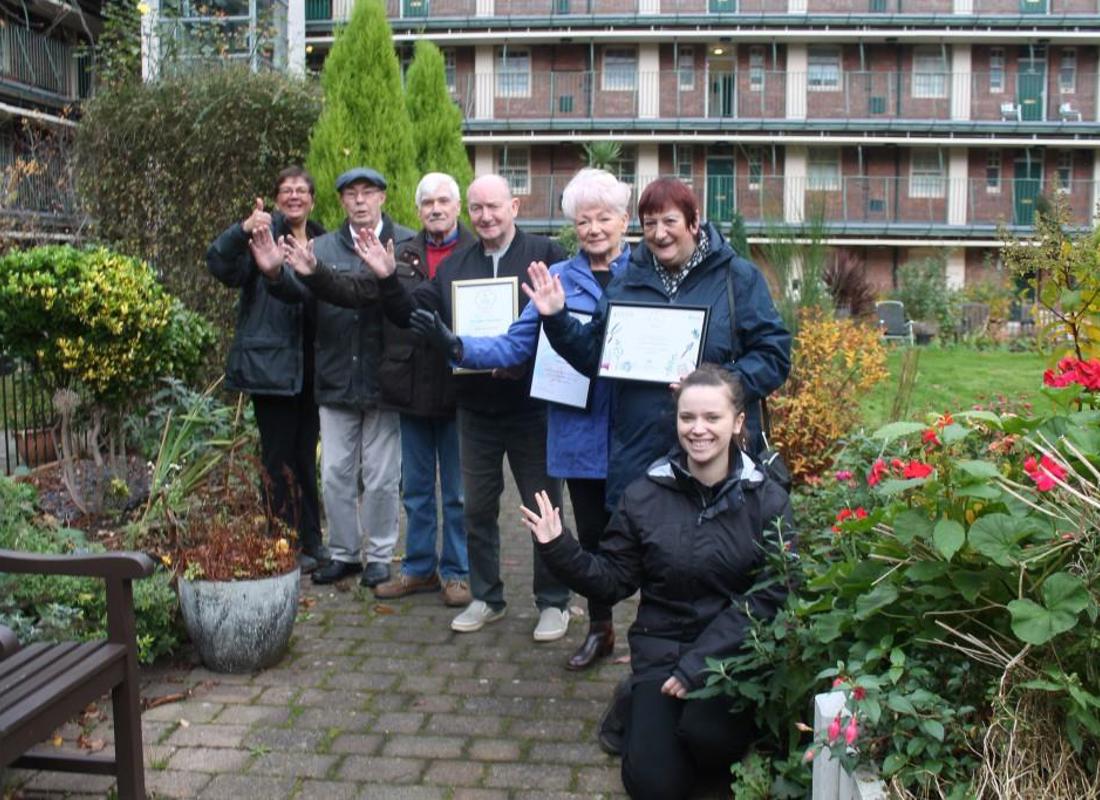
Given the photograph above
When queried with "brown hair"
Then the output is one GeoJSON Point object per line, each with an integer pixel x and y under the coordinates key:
{"type": "Point", "coordinates": [714, 375]}
{"type": "Point", "coordinates": [295, 171]}
{"type": "Point", "coordinates": [669, 193]}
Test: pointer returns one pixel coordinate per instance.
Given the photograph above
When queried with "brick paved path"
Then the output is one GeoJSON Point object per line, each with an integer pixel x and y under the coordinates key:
{"type": "Point", "coordinates": [383, 701]}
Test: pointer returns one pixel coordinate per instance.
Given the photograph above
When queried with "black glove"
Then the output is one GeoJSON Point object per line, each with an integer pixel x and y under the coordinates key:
{"type": "Point", "coordinates": [428, 325]}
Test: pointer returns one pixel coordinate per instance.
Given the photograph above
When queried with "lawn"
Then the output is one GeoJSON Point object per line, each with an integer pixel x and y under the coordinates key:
{"type": "Point", "coordinates": [953, 378]}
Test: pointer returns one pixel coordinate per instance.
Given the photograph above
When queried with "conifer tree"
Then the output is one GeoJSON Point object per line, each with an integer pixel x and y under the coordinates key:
{"type": "Point", "coordinates": [364, 121]}
{"type": "Point", "coordinates": [436, 120]}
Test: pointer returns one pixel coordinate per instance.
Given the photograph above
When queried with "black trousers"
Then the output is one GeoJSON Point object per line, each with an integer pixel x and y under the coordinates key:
{"type": "Point", "coordinates": [670, 743]}
{"type": "Point", "coordinates": [589, 496]}
{"type": "Point", "coordinates": [289, 427]}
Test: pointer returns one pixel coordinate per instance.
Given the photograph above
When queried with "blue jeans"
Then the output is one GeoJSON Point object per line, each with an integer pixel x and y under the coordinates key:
{"type": "Point", "coordinates": [423, 440]}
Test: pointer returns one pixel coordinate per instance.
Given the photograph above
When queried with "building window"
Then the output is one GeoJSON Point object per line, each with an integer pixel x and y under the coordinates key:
{"type": "Point", "coordinates": [1067, 71]}
{"type": "Point", "coordinates": [685, 67]}
{"type": "Point", "coordinates": [683, 157]}
{"type": "Point", "coordinates": [620, 69]}
{"type": "Point", "coordinates": [625, 167]}
{"type": "Point", "coordinates": [756, 68]}
{"type": "Point", "coordinates": [996, 70]}
{"type": "Point", "coordinates": [929, 72]}
{"type": "Point", "coordinates": [450, 71]}
{"type": "Point", "coordinates": [993, 172]}
{"type": "Point", "coordinates": [514, 73]}
{"type": "Point", "coordinates": [823, 170]}
{"type": "Point", "coordinates": [756, 166]}
{"type": "Point", "coordinates": [514, 166]}
{"type": "Point", "coordinates": [926, 174]}
{"type": "Point", "coordinates": [823, 74]}
{"type": "Point", "coordinates": [1065, 171]}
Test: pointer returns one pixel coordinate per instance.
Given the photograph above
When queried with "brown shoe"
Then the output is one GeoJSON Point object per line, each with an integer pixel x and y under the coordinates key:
{"type": "Point", "coordinates": [599, 642]}
{"type": "Point", "coordinates": [456, 592]}
{"type": "Point", "coordinates": [406, 584]}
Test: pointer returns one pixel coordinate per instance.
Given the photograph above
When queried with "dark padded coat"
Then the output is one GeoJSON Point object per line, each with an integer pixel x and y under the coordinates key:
{"type": "Point", "coordinates": [700, 558]}
{"type": "Point", "coordinates": [273, 341]}
{"type": "Point", "coordinates": [642, 426]}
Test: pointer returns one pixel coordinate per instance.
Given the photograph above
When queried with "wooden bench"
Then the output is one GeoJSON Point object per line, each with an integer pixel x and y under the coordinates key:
{"type": "Point", "coordinates": [42, 686]}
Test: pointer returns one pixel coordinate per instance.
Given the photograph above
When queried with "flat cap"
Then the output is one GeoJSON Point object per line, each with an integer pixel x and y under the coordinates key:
{"type": "Point", "coordinates": [367, 174]}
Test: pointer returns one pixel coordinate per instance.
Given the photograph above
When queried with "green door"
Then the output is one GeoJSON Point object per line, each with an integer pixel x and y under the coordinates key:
{"type": "Point", "coordinates": [1033, 6]}
{"type": "Point", "coordinates": [722, 6]}
{"type": "Point", "coordinates": [723, 94]}
{"type": "Point", "coordinates": [1026, 188]}
{"type": "Point", "coordinates": [415, 8]}
{"type": "Point", "coordinates": [720, 194]}
{"type": "Point", "coordinates": [1031, 88]}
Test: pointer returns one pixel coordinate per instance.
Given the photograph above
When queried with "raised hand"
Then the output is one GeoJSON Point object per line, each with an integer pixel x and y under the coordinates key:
{"type": "Point", "coordinates": [429, 325]}
{"type": "Point", "coordinates": [544, 289]}
{"type": "Point", "coordinates": [545, 525]}
{"type": "Point", "coordinates": [257, 219]}
{"type": "Point", "coordinates": [378, 259]}
{"type": "Point", "coordinates": [265, 252]}
{"type": "Point", "coordinates": [299, 255]}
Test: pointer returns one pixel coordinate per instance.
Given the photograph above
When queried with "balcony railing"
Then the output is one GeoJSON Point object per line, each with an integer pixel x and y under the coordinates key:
{"type": "Point", "coordinates": [689, 94]}
{"type": "Point", "coordinates": [44, 67]}
{"type": "Point", "coordinates": [325, 11]}
{"type": "Point", "coordinates": [851, 203]}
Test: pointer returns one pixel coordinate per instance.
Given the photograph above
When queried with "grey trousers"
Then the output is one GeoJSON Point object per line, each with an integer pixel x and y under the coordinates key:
{"type": "Point", "coordinates": [360, 481]}
{"type": "Point", "coordinates": [483, 441]}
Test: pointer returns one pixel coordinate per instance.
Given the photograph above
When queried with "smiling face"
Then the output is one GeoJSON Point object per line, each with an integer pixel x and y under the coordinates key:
{"type": "Point", "coordinates": [492, 211]}
{"type": "Point", "coordinates": [362, 201]}
{"type": "Point", "coordinates": [439, 212]}
{"type": "Point", "coordinates": [706, 424]}
{"type": "Point", "coordinates": [669, 236]}
{"type": "Point", "coordinates": [600, 231]}
{"type": "Point", "coordinates": [294, 199]}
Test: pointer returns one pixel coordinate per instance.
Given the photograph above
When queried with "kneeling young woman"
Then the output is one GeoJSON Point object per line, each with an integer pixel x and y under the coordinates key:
{"type": "Point", "coordinates": [696, 535]}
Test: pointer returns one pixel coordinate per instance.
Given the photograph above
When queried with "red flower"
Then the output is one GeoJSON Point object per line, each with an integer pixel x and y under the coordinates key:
{"type": "Point", "coordinates": [1072, 370]}
{"type": "Point", "coordinates": [917, 469]}
{"type": "Point", "coordinates": [1046, 472]}
{"type": "Point", "coordinates": [860, 512]}
{"type": "Point", "coordinates": [846, 514]}
{"type": "Point", "coordinates": [859, 693]}
{"type": "Point", "coordinates": [930, 438]}
{"type": "Point", "coordinates": [878, 471]}
{"type": "Point", "coordinates": [945, 419]}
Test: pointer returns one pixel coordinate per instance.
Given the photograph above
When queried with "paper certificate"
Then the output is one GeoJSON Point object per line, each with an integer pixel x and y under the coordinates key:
{"type": "Point", "coordinates": [553, 379]}
{"type": "Point", "coordinates": [483, 308]}
{"type": "Point", "coordinates": [652, 342]}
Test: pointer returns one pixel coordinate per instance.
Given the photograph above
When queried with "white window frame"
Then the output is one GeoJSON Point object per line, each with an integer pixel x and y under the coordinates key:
{"type": "Point", "coordinates": [683, 155]}
{"type": "Point", "coordinates": [513, 73]}
{"type": "Point", "coordinates": [450, 68]}
{"type": "Point", "coordinates": [927, 174]}
{"type": "Point", "coordinates": [625, 167]}
{"type": "Point", "coordinates": [993, 172]}
{"type": "Point", "coordinates": [757, 61]}
{"type": "Point", "coordinates": [621, 75]}
{"type": "Point", "coordinates": [1064, 172]}
{"type": "Point", "coordinates": [685, 68]}
{"type": "Point", "coordinates": [823, 69]}
{"type": "Point", "coordinates": [755, 171]}
{"type": "Point", "coordinates": [930, 72]}
{"type": "Point", "coordinates": [823, 169]}
{"type": "Point", "coordinates": [1067, 71]}
{"type": "Point", "coordinates": [996, 70]}
{"type": "Point", "coordinates": [514, 165]}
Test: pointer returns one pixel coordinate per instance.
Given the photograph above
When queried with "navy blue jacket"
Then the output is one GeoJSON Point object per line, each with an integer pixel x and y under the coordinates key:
{"type": "Point", "coordinates": [643, 426]}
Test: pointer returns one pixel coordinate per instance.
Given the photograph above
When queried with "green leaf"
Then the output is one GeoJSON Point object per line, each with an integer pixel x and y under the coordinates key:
{"type": "Point", "coordinates": [948, 536]}
{"type": "Point", "coordinates": [912, 524]}
{"type": "Point", "coordinates": [995, 536]}
{"type": "Point", "coordinates": [984, 416]}
{"type": "Point", "coordinates": [925, 571]}
{"type": "Point", "coordinates": [983, 491]}
{"type": "Point", "coordinates": [1065, 593]}
{"type": "Point", "coordinates": [933, 728]}
{"type": "Point", "coordinates": [893, 763]}
{"type": "Point", "coordinates": [896, 430]}
{"type": "Point", "coordinates": [1042, 685]}
{"type": "Point", "coordinates": [878, 598]}
{"type": "Point", "coordinates": [901, 704]}
{"type": "Point", "coordinates": [1035, 624]}
{"type": "Point", "coordinates": [828, 627]}
{"type": "Point", "coordinates": [970, 583]}
{"type": "Point", "coordinates": [979, 469]}
{"type": "Point", "coordinates": [955, 432]}
{"type": "Point", "coordinates": [894, 486]}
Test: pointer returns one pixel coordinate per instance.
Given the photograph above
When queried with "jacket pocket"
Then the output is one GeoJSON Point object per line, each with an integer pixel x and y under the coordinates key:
{"type": "Point", "coordinates": [395, 374]}
{"type": "Point", "coordinates": [263, 365]}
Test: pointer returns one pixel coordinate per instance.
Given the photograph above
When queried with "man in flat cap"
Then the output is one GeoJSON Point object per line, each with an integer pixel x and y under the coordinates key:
{"type": "Point", "coordinates": [360, 441]}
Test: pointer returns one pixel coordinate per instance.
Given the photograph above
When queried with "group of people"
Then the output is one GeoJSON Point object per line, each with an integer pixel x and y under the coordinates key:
{"type": "Point", "coordinates": [349, 333]}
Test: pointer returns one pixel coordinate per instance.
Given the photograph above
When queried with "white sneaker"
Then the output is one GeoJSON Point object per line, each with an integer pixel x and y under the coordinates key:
{"type": "Point", "coordinates": [553, 623]}
{"type": "Point", "coordinates": [475, 617]}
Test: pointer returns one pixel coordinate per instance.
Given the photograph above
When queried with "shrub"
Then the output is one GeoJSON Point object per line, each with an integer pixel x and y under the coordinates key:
{"type": "Point", "coordinates": [852, 291]}
{"type": "Point", "coordinates": [922, 287]}
{"type": "Point", "coordinates": [436, 120]}
{"type": "Point", "coordinates": [834, 363]}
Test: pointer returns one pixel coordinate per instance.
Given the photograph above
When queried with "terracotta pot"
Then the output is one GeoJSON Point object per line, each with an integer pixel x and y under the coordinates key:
{"type": "Point", "coordinates": [34, 447]}
{"type": "Point", "coordinates": [240, 626]}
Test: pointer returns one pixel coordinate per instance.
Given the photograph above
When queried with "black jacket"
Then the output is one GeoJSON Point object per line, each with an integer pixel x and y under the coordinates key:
{"type": "Point", "coordinates": [415, 377]}
{"type": "Point", "coordinates": [349, 341]}
{"type": "Point", "coordinates": [699, 557]}
{"type": "Point", "coordinates": [481, 392]}
{"type": "Point", "coordinates": [272, 350]}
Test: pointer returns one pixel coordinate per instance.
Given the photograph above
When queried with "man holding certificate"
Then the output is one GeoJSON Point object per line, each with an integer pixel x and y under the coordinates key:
{"type": "Point", "coordinates": [474, 291]}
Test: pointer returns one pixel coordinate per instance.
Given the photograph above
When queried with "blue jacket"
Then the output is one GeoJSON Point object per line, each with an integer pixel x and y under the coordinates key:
{"type": "Point", "coordinates": [576, 440]}
{"type": "Point", "coordinates": [643, 424]}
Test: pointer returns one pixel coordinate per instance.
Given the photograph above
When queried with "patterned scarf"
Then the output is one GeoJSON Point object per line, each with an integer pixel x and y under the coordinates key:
{"type": "Point", "coordinates": [671, 279]}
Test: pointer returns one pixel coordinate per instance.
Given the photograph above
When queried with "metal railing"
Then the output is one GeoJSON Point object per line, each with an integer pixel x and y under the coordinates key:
{"type": "Point", "coordinates": [248, 31]}
{"type": "Point", "coordinates": [338, 10]}
{"type": "Point", "coordinates": [876, 204]}
{"type": "Point", "coordinates": [26, 419]}
{"type": "Point", "coordinates": [40, 63]}
{"type": "Point", "coordinates": [867, 96]}
{"type": "Point", "coordinates": [37, 185]}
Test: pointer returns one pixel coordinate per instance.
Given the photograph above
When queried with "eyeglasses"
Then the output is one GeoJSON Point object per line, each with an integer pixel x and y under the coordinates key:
{"type": "Point", "coordinates": [359, 194]}
{"type": "Point", "coordinates": [287, 191]}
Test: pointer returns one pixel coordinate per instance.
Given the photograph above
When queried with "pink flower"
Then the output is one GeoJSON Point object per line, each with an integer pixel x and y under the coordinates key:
{"type": "Point", "coordinates": [809, 756]}
{"type": "Point", "coordinates": [859, 693]}
{"type": "Point", "coordinates": [839, 681]}
{"type": "Point", "coordinates": [851, 733]}
{"type": "Point", "coordinates": [917, 469]}
{"type": "Point", "coordinates": [843, 475]}
{"type": "Point", "coordinates": [834, 729]}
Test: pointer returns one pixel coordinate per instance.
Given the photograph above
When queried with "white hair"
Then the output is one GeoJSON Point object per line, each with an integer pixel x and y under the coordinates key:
{"type": "Point", "coordinates": [595, 187]}
{"type": "Point", "coordinates": [432, 181]}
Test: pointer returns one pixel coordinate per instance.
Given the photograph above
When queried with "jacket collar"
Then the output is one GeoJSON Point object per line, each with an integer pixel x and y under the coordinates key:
{"type": "Point", "coordinates": [640, 269]}
{"type": "Point", "coordinates": [671, 472]}
{"type": "Point", "coordinates": [279, 226]}
{"type": "Point", "coordinates": [416, 251]}
{"type": "Point", "coordinates": [580, 271]}
{"type": "Point", "coordinates": [345, 232]}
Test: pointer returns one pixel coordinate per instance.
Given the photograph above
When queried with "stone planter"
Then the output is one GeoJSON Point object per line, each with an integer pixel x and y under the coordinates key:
{"type": "Point", "coordinates": [240, 626]}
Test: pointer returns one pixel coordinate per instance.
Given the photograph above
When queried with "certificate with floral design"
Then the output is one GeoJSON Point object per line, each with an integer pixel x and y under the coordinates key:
{"type": "Point", "coordinates": [652, 342]}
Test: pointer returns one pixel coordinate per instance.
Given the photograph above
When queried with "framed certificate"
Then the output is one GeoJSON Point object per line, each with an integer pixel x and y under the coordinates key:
{"type": "Point", "coordinates": [554, 380]}
{"type": "Point", "coordinates": [484, 307]}
{"type": "Point", "coordinates": [652, 341]}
